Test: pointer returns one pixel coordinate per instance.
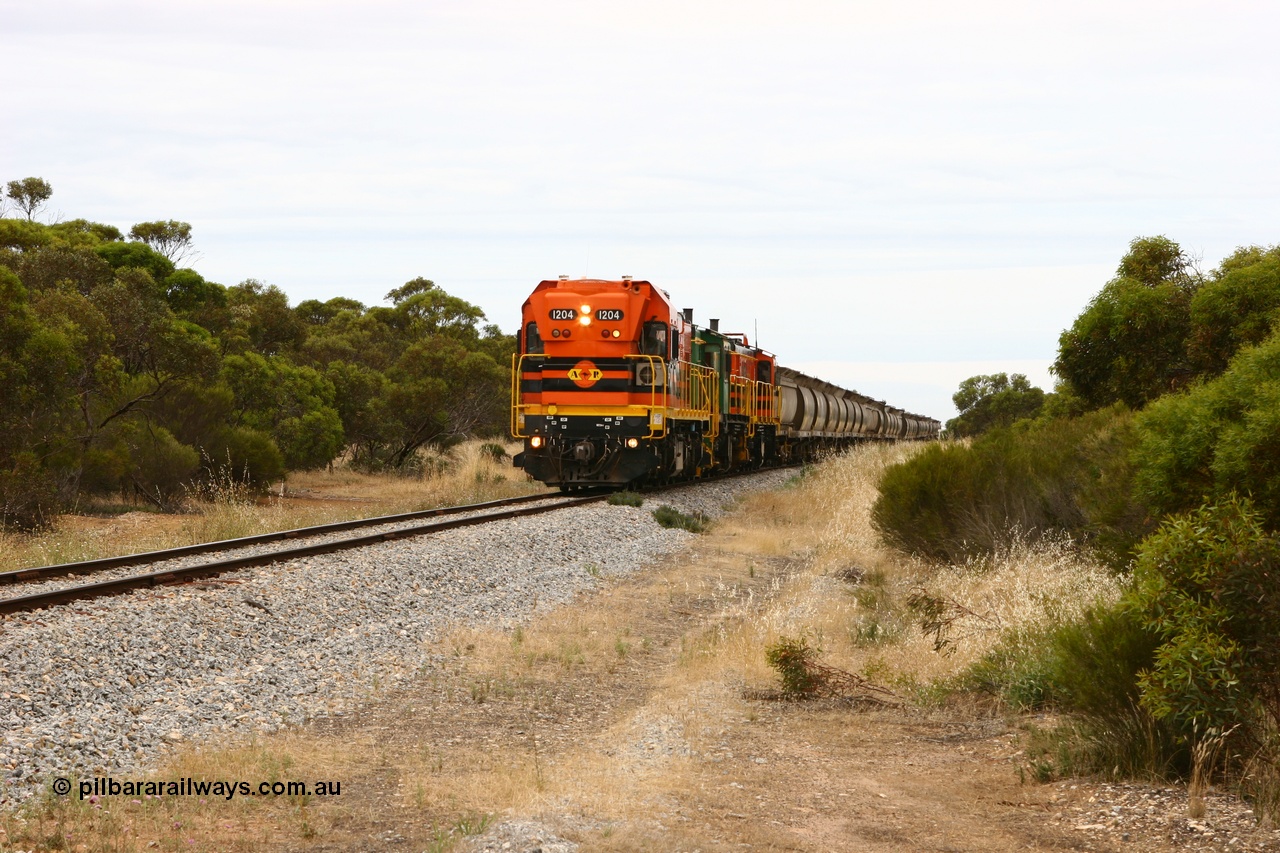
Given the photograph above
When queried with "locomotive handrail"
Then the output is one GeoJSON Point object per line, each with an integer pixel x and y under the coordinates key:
{"type": "Point", "coordinates": [742, 401]}
{"type": "Point", "coordinates": [517, 406]}
{"type": "Point", "coordinates": [769, 409]}
{"type": "Point", "coordinates": [695, 392]}
{"type": "Point", "coordinates": [713, 422]}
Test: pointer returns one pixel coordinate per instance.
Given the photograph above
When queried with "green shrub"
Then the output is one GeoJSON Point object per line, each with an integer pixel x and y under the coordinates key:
{"type": "Point", "coordinates": [955, 502]}
{"type": "Point", "coordinates": [1218, 438]}
{"type": "Point", "coordinates": [1089, 669]}
{"type": "Point", "coordinates": [1132, 747]}
{"type": "Point", "coordinates": [425, 464]}
{"type": "Point", "coordinates": [1102, 487]}
{"type": "Point", "coordinates": [1206, 584]}
{"type": "Point", "coordinates": [1019, 670]}
{"type": "Point", "coordinates": [922, 500]}
{"type": "Point", "coordinates": [1097, 666]}
{"type": "Point", "coordinates": [670, 517]}
{"type": "Point", "coordinates": [245, 455]}
{"type": "Point", "coordinates": [161, 467]}
{"type": "Point", "coordinates": [1238, 308]}
{"type": "Point", "coordinates": [1096, 663]}
{"type": "Point", "coordinates": [793, 659]}
{"type": "Point", "coordinates": [1190, 657]}
{"type": "Point", "coordinates": [625, 499]}
{"type": "Point", "coordinates": [104, 468]}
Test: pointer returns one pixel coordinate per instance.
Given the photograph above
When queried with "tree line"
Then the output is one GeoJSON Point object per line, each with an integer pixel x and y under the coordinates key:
{"type": "Point", "coordinates": [1158, 450]}
{"type": "Point", "coordinates": [123, 371]}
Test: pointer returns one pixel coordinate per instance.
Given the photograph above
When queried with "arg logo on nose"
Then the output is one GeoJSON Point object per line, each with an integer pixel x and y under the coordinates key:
{"type": "Point", "coordinates": [584, 374]}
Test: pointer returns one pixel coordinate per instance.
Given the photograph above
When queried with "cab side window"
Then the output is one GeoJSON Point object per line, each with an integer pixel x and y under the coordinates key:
{"type": "Point", "coordinates": [532, 340]}
{"type": "Point", "coordinates": [653, 339]}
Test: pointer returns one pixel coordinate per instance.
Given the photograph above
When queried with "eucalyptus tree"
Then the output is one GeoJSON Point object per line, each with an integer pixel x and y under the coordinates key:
{"type": "Point", "coordinates": [169, 237]}
{"type": "Point", "coordinates": [30, 194]}
{"type": "Point", "coordinates": [1130, 343]}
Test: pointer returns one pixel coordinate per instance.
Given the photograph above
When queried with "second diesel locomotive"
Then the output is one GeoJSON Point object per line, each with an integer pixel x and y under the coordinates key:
{"type": "Point", "coordinates": [612, 386]}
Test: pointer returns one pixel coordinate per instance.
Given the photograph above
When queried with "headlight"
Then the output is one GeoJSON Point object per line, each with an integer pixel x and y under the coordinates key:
{"type": "Point", "coordinates": [535, 442]}
{"type": "Point", "coordinates": [633, 443]}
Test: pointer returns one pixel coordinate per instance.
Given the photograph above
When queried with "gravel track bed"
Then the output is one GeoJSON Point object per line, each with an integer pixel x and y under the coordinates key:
{"type": "Point", "coordinates": [65, 581]}
{"type": "Point", "coordinates": [102, 687]}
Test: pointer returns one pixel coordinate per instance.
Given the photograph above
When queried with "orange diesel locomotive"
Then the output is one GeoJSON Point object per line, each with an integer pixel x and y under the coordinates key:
{"type": "Point", "coordinates": [612, 386]}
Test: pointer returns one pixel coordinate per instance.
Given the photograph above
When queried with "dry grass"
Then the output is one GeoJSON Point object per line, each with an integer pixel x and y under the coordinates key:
{"type": "Point", "coordinates": [849, 598]}
{"type": "Point", "coordinates": [311, 497]}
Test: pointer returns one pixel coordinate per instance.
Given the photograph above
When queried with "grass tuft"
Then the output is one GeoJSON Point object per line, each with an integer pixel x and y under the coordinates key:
{"type": "Point", "coordinates": [626, 498]}
{"type": "Point", "coordinates": [670, 517]}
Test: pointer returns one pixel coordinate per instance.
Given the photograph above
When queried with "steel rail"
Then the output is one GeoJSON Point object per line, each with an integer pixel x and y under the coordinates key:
{"type": "Point", "coordinates": [88, 567]}
{"type": "Point", "coordinates": [179, 575]}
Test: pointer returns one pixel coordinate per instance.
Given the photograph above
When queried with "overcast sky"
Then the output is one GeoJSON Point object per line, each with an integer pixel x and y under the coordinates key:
{"type": "Point", "coordinates": [897, 195]}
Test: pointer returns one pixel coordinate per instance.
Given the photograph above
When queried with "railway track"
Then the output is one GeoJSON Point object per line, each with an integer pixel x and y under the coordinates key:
{"type": "Point", "coordinates": [393, 527]}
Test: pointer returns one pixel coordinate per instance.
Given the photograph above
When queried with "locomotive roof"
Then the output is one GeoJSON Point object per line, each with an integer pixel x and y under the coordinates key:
{"type": "Point", "coordinates": [597, 285]}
